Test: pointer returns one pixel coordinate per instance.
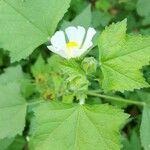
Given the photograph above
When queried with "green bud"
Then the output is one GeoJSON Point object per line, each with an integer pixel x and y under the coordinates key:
{"type": "Point", "coordinates": [89, 64]}
{"type": "Point", "coordinates": [77, 83]}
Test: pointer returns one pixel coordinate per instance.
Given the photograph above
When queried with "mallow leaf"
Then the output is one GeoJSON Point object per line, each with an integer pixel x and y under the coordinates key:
{"type": "Point", "coordinates": [79, 21]}
{"type": "Point", "coordinates": [76, 127]}
{"type": "Point", "coordinates": [143, 7]}
{"type": "Point", "coordinates": [16, 143]}
{"type": "Point", "coordinates": [145, 128]}
{"type": "Point", "coordinates": [11, 74]}
{"type": "Point", "coordinates": [121, 58]}
{"type": "Point", "coordinates": [12, 110]}
{"type": "Point", "coordinates": [5, 143]}
{"type": "Point", "coordinates": [133, 143]}
{"type": "Point", "coordinates": [27, 24]}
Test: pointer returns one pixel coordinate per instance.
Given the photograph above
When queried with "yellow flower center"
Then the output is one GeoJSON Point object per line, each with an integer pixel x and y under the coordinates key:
{"type": "Point", "coordinates": [72, 44]}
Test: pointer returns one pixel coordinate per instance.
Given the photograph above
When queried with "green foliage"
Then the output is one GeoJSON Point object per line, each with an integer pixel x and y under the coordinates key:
{"type": "Point", "coordinates": [12, 74]}
{"type": "Point", "coordinates": [16, 143]}
{"type": "Point", "coordinates": [79, 21]}
{"type": "Point", "coordinates": [145, 128]}
{"type": "Point", "coordinates": [49, 102]}
{"type": "Point", "coordinates": [121, 58]}
{"type": "Point", "coordinates": [133, 143]}
{"type": "Point", "coordinates": [76, 80]}
{"type": "Point", "coordinates": [12, 110]}
{"type": "Point", "coordinates": [143, 7]}
{"type": "Point", "coordinates": [63, 127]}
{"type": "Point", "coordinates": [33, 24]}
{"type": "Point", "coordinates": [4, 143]}
{"type": "Point", "coordinates": [89, 65]}
{"type": "Point", "coordinates": [100, 18]}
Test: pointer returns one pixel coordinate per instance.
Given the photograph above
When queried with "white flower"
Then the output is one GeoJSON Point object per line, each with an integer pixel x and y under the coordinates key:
{"type": "Point", "coordinates": [73, 42]}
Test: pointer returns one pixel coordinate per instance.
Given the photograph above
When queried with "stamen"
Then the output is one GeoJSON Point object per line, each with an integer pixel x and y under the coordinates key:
{"type": "Point", "coordinates": [72, 44]}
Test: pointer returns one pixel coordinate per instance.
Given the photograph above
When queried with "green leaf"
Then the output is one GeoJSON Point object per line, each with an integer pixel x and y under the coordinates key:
{"type": "Point", "coordinates": [40, 67]}
{"type": "Point", "coordinates": [100, 18]}
{"type": "Point", "coordinates": [103, 5]}
{"type": "Point", "coordinates": [4, 143]}
{"type": "Point", "coordinates": [143, 7]}
{"type": "Point", "coordinates": [145, 128]}
{"type": "Point", "coordinates": [18, 144]}
{"type": "Point", "coordinates": [79, 21]}
{"type": "Point", "coordinates": [146, 21]}
{"type": "Point", "coordinates": [12, 110]}
{"type": "Point", "coordinates": [11, 74]}
{"type": "Point", "coordinates": [30, 22]}
{"type": "Point", "coordinates": [121, 58]}
{"type": "Point", "coordinates": [76, 80]}
{"type": "Point", "coordinates": [145, 31]}
{"type": "Point", "coordinates": [144, 96]}
{"type": "Point", "coordinates": [78, 127]}
{"type": "Point", "coordinates": [133, 143]}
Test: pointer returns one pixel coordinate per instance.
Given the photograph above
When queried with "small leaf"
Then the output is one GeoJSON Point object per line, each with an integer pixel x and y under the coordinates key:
{"type": "Point", "coordinates": [40, 67]}
{"type": "Point", "coordinates": [12, 110]}
{"type": "Point", "coordinates": [62, 127]}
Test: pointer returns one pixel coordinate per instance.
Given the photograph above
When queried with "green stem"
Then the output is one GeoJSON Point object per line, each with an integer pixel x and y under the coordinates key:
{"type": "Point", "coordinates": [117, 99]}
{"type": "Point", "coordinates": [82, 101]}
{"type": "Point", "coordinates": [35, 103]}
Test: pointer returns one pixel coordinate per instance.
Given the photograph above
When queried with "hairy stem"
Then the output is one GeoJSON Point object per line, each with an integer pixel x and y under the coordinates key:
{"type": "Point", "coordinates": [129, 101]}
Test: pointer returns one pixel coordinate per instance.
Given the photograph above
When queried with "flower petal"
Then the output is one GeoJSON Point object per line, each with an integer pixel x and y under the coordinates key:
{"type": "Point", "coordinates": [88, 40]}
{"type": "Point", "coordinates": [57, 51]}
{"type": "Point", "coordinates": [58, 40]}
{"type": "Point", "coordinates": [75, 34]}
{"type": "Point", "coordinates": [78, 52]}
{"type": "Point", "coordinates": [81, 35]}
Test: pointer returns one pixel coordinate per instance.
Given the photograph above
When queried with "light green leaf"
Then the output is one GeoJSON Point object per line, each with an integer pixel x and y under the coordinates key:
{"type": "Point", "coordinates": [12, 110]}
{"type": "Point", "coordinates": [145, 128]}
{"type": "Point", "coordinates": [11, 74]}
{"type": "Point", "coordinates": [76, 127]}
{"type": "Point", "coordinates": [121, 58]}
{"type": "Point", "coordinates": [79, 21]}
{"type": "Point", "coordinates": [40, 67]}
{"type": "Point", "coordinates": [4, 143]}
{"type": "Point", "coordinates": [27, 24]}
{"type": "Point", "coordinates": [143, 7]}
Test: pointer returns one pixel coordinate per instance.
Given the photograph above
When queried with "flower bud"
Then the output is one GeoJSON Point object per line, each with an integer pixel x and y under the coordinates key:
{"type": "Point", "coordinates": [89, 64]}
{"type": "Point", "coordinates": [77, 83]}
